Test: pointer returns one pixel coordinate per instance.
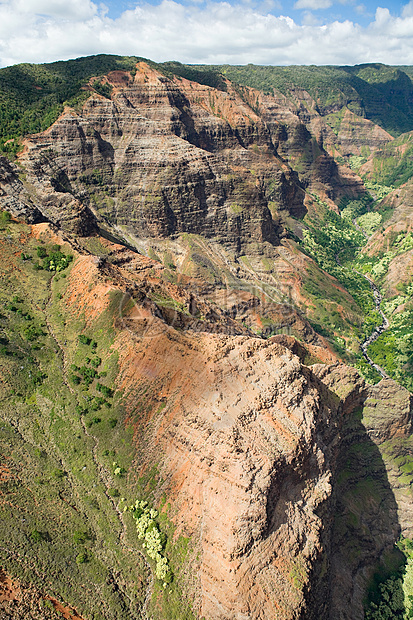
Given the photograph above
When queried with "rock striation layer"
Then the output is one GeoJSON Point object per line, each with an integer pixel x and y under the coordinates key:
{"type": "Point", "coordinates": [166, 156]}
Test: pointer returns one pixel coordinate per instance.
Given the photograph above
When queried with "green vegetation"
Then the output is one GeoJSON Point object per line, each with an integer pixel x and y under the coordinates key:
{"type": "Point", "coordinates": [337, 247]}
{"type": "Point", "coordinates": [66, 440]}
{"type": "Point", "coordinates": [393, 597]}
{"type": "Point", "coordinates": [154, 540]}
{"type": "Point", "coordinates": [393, 350]}
{"type": "Point", "coordinates": [393, 163]}
{"type": "Point", "coordinates": [56, 507]}
{"type": "Point", "coordinates": [33, 96]}
{"type": "Point", "coordinates": [203, 75]}
{"type": "Point", "coordinates": [390, 602]}
{"type": "Point", "coordinates": [334, 244]}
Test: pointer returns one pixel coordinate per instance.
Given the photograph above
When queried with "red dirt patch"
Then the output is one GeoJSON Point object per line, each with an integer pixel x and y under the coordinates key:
{"type": "Point", "coordinates": [67, 612]}
{"type": "Point", "coordinates": [9, 590]}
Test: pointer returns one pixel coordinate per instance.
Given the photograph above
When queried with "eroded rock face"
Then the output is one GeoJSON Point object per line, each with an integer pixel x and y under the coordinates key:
{"type": "Point", "coordinates": [373, 500]}
{"type": "Point", "coordinates": [356, 132]}
{"type": "Point", "coordinates": [270, 467]}
{"type": "Point", "coordinates": [247, 451]}
{"type": "Point", "coordinates": [251, 451]}
{"type": "Point", "coordinates": [13, 198]}
{"type": "Point", "coordinates": [168, 156]}
{"type": "Point", "coordinates": [44, 200]}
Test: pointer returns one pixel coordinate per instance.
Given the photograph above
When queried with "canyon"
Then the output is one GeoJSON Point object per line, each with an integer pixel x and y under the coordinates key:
{"type": "Point", "coordinates": [169, 348]}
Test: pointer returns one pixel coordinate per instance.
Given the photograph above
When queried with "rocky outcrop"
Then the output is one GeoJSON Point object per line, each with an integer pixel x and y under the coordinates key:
{"type": "Point", "coordinates": [252, 451]}
{"type": "Point", "coordinates": [373, 501]}
{"type": "Point", "coordinates": [357, 134]}
{"type": "Point", "coordinates": [337, 131]}
{"type": "Point", "coordinates": [13, 198]}
{"type": "Point", "coordinates": [37, 201]}
{"type": "Point", "coordinates": [275, 493]}
{"type": "Point", "coordinates": [279, 474]}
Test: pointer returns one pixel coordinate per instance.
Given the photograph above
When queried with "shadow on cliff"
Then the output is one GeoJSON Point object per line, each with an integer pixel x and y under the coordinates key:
{"type": "Point", "coordinates": [360, 523]}
{"type": "Point", "coordinates": [359, 545]}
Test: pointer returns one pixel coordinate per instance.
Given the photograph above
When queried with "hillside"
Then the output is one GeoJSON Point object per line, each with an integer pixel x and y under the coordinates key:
{"type": "Point", "coordinates": [205, 300]}
{"type": "Point", "coordinates": [376, 92]}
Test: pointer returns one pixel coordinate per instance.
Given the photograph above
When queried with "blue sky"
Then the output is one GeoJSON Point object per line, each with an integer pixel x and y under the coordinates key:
{"type": "Point", "coordinates": [322, 11]}
{"type": "Point", "coordinates": [209, 31]}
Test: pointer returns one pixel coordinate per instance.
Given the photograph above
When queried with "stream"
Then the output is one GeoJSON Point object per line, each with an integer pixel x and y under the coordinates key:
{"type": "Point", "coordinates": [378, 330]}
{"type": "Point", "coordinates": [377, 302]}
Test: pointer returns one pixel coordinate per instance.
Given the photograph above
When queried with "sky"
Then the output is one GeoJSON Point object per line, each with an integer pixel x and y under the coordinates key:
{"type": "Point", "coordinates": [269, 32]}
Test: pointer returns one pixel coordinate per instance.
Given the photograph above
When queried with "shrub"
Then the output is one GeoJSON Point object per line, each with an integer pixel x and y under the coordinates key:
{"type": "Point", "coordinates": [391, 603]}
{"type": "Point", "coordinates": [94, 420]}
{"type": "Point", "coordinates": [58, 473]}
{"type": "Point", "coordinates": [82, 558]}
{"type": "Point", "coordinates": [84, 339]}
{"type": "Point", "coordinates": [32, 333]}
{"type": "Point", "coordinates": [57, 261]}
{"type": "Point", "coordinates": [105, 390]}
{"type": "Point", "coordinates": [80, 537]}
{"type": "Point", "coordinates": [41, 252]}
{"type": "Point", "coordinates": [36, 536]}
{"type": "Point", "coordinates": [88, 372]}
{"type": "Point", "coordinates": [153, 539]}
{"type": "Point", "coordinates": [5, 217]}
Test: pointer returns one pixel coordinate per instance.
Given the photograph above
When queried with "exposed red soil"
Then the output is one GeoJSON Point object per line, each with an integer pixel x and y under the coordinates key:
{"type": "Point", "coordinates": [9, 589]}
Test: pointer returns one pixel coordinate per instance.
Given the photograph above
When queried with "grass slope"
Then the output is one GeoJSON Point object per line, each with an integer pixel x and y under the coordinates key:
{"type": "Point", "coordinates": [33, 96]}
{"type": "Point", "coordinates": [66, 451]}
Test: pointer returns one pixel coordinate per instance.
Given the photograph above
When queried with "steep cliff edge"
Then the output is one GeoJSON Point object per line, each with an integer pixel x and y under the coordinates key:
{"type": "Point", "coordinates": [248, 445]}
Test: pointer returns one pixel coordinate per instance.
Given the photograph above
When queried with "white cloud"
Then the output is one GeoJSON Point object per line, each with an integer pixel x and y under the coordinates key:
{"type": "Point", "coordinates": [214, 32]}
{"type": "Point", "coordinates": [312, 4]}
{"type": "Point", "coordinates": [309, 19]}
{"type": "Point", "coordinates": [78, 10]}
{"type": "Point", "coordinates": [408, 10]}
{"type": "Point", "coordinates": [360, 9]}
